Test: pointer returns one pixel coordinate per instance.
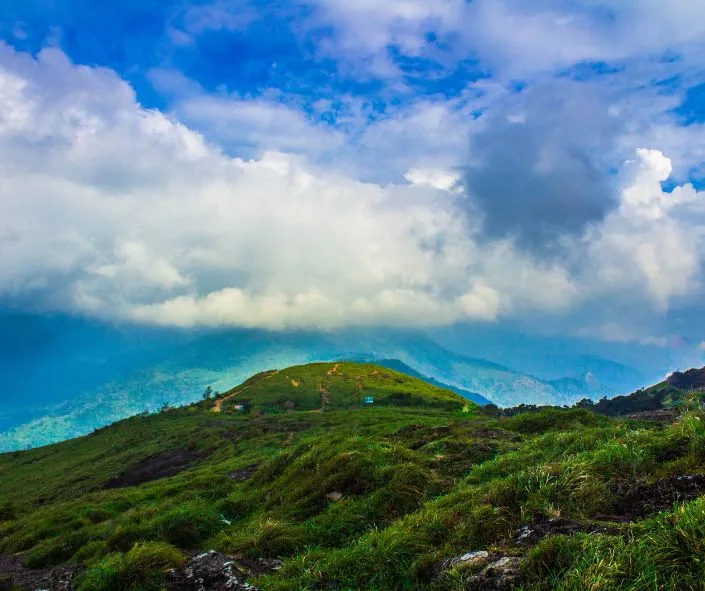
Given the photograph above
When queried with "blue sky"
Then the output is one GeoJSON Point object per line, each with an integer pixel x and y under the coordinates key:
{"type": "Point", "coordinates": [324, 164]}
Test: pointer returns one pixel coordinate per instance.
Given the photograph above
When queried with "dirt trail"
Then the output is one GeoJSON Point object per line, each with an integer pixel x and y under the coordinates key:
{"type": "Point", "coordinates": [323, 389]}
{"type": "Point", "coordinates": [218, 404]}
{"type": "Point", "coordinates": [334, 369]}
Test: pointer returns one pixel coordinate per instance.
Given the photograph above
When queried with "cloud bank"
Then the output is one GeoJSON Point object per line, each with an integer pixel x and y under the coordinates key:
{"type": "Point", "coordinates": [116, 211]}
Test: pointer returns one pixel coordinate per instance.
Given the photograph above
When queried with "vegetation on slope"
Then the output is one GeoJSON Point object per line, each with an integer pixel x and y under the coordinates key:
{"type": "Point", "coordinates": [380, 497]}
{"type": "Point", "coordinates": [334, 386]}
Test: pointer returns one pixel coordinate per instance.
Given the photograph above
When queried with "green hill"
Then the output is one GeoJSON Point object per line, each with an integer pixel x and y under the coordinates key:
{"type": "Point", "coordinates": [672, 393]}
{"type": "Point", "coordinates": [419, 490]}
{"type": "Point", "coordinates": [327, 386]}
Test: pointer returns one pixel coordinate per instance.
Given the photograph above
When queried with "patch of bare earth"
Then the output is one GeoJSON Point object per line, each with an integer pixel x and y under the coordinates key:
{"type": "Point", "coordinates": [14, 574]}
{"type": "Point", "coordinates": [643, 499]}
{"type": "Point", "coordinates": [159, 466]}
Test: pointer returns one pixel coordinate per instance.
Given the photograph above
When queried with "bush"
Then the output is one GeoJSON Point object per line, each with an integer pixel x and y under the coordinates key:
{"type": "Point", "coordinates": [187, 525]}
{"type": "Point", "coordinates": [7, 511]}
{"type": "Point", "coordinates": [554, 419]}
{"type": "Point", "coordinates": [141, 569]}
{"type": "Point", "coordinates": [263, 537]}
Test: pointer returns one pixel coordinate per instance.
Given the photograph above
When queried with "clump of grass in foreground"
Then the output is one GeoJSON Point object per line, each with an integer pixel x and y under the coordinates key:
{"type": "Point", "coordinates": [141, 569]}
{"type": "Point", "coordinates": [664, 552]}
{"type": "Point", "coordinates": [497, 498]}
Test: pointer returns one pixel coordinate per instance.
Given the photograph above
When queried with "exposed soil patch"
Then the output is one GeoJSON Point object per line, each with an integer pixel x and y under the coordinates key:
{"type": "Point", "coordinates": [159, 466]}
{"type": "Point", "coordinates": [665, 415]}
{"type": "Point", "coordinates": [641, 500]}
{"type": "Point", "coordinates": [325, 400]}
{"type": "Point", "coordinates": [59, 578]}
{"type": "Point", "coordinates": [218, 404]}
{"type": "Point", "coordinates": [257, 567]}
{"type": "Point", "coordinates": [416, 436]}
{"type": "Point", "coordinates": [483, 433]}
{"type": "Point", "coordinates": [529, 535]}
{"type": "Point", "coordinates": [244, 473]}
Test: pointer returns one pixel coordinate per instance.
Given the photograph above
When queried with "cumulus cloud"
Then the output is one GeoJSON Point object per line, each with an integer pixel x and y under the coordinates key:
{"type": "Point", "coordinates": [116, 211]}
{"type": "Point", "coordinates": [554, 137]}
{"type": "Point", "coordinates": [642, 243]}
{"type": "Point", "coordinates": [516, 38]}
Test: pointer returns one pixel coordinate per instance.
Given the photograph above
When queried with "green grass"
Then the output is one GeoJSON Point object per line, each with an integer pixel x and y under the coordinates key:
{"type": "Point", "coordinates": [420, 481]}
{"type": "Point", "coordinates": [342, 384]}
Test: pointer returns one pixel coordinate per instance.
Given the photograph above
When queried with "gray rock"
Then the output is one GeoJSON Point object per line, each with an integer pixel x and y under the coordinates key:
{"type": "Point", "coordinates": [500, 575]}
{"type": "Point", "coordinates": [209, 571]}
{"type": "Point", "coordinates": [470, 559]}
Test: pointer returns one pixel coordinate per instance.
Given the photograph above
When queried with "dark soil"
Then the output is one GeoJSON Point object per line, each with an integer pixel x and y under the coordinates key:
{"type": "Point", "coordinates": [12, 573]}
{"type": "Point", "coordinates": [644, 499]}
{"type": "Point", "coordinates": [244, 473]}
{"type": "Point", "coordinates": [416, 436]}
{"type": "Point", "coordinates": [160, 466]}
{"type": "Point", "coordinates": [529, 535]}
{"type": "Point", "coordinates": [666, 415]}
{"type": "Point", "coordinates": [483, 434]}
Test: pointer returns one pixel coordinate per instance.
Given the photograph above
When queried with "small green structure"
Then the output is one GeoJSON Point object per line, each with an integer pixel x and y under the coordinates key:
{"type": "Point", "coordinates": [369, 400]}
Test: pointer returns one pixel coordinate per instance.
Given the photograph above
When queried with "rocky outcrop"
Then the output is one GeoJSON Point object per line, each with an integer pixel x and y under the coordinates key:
{"type": "Point", "coordinates": [213, 571]}
{"type": "Point", "coordinates": [469, 560]}
{"type": "Point", "coordinates": [493, 572]}
{"type": "Point", "coordinates": [500, 575]}
{"type": "Point", "coordinates": [14, 575]}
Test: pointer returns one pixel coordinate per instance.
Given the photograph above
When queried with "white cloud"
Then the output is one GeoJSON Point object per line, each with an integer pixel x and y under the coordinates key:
{"type": "Point", "coordinates": [643, 243]}
{"type": "Point", "coordinates": [515, 38]}
{"type": "Point", "coordinates": [365, 29]}
{"type": "Point", "coordinates": [117, 211]}
{"type": "Point", "coordinates": [434, 177]}
{"type": "Point", "coordinates": [248, 125]}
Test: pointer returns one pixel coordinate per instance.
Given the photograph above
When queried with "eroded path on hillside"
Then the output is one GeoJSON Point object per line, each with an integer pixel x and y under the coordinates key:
{"type": "Point", "coordinates": [218, 404]}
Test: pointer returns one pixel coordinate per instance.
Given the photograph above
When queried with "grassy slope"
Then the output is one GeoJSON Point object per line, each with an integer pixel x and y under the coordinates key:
{"type": "Point", "coordinates": [420, 483]}
{"type": "Point", "coordinates": [336, 386]}
{"type": "Point", "coordinates": [659, 396]}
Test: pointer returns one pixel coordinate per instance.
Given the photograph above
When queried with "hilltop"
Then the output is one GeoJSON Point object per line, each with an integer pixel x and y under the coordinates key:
{"type": "Point", "coordinates": [668, 395]}
{"type": "Point", "coordinates": [303, 487]}
{"type": "Point", "coordinates": [327, 386]}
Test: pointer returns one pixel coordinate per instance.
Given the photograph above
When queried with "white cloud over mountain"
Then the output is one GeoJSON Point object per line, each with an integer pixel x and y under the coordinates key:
{"type": "Point", "coordinates": [115, 211]}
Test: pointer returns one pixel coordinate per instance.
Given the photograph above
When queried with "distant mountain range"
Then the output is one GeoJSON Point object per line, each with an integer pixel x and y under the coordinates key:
{"type": "Point", "coordinates": [158, 371]}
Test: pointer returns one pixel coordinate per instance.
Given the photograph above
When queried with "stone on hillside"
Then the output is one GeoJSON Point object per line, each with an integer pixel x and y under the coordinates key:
{"type": "Point", "coordinates": [209, 571]}
{"type": "Point", "coordinates": [500, 575]}
{"type": "Point", "coordinates": [334, 496]}
{"type": "Point", "coordinates": [469, 559]}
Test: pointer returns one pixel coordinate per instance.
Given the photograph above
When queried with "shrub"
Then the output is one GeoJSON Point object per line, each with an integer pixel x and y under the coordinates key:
{"type": "Point", "coordinates": [553, 419]}
{"type": "Point", "coordinates": [141, 569]}
{"type": "Point", "coordinates": [7, 511]}
{"type": "Point", "coordinates": [263, 537]}
{"type": "Point", "coordinates": [187, 525]}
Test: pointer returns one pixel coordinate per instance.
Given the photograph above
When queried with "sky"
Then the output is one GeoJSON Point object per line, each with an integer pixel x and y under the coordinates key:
{"type": "Point", "coordinates": [327, 164]}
